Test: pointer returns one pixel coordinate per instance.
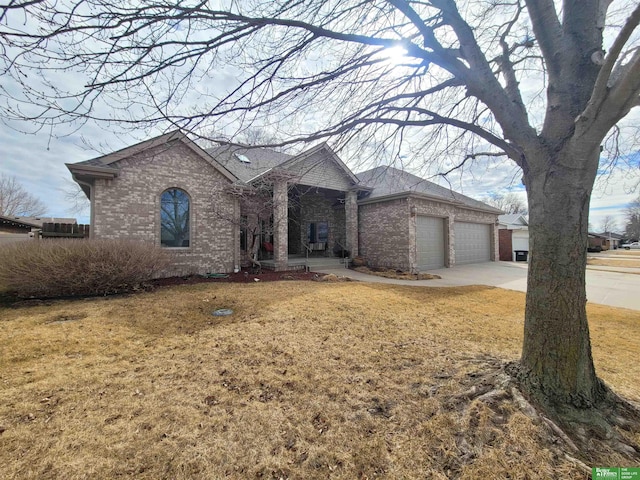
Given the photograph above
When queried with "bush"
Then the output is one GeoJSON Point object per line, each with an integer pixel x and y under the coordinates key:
{"type": "Point", "coordinates": [69, 267]}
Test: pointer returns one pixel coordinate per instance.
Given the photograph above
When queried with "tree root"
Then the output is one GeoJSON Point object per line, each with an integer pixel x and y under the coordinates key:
{"type": "Point", "coordinates": [604, 431]}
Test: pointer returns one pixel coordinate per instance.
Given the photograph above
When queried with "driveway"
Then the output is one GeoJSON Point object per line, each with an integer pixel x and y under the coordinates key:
{"type": "Point", "coordinates": [605, 287]}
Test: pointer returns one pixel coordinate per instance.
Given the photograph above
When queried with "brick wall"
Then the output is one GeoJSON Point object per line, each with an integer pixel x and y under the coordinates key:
{"type": "Point", "coordinates": [505, 245]}
{"type": "Point", "coordinates": [384, 233]}
{"type": "Point", "coordinates": [128, 207]}
{"type": "Point", "coordinates": [387, 230]}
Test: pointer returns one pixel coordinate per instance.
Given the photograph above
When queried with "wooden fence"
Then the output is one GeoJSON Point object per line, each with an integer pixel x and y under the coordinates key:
{"type": "Point", "coordinates": [65, 230]}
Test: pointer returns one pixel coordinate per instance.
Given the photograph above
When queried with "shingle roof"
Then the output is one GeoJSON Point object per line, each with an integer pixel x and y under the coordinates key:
{"type": "Point", "coordinates": [38, 221]}
{"type": "Point", "coordinates": [512, 218]}
{"type": "Point", "coordinates": [261, 160]}
{"type": "Point", "coordinates": [387, 181]}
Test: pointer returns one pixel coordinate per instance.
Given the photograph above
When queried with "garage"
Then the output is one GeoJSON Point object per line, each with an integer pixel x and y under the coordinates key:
{"type": "Point", "coordinates": [430, 242]}
{"type": "Point", "coordinates": [520, 241]}
{"type": "Point", "coordinates": [472, 242]}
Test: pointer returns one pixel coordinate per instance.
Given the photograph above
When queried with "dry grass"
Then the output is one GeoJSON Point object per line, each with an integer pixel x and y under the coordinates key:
{"type": "Point", "coordinates": [624, 253]}
{"type": "Point", "coordinates": [304, 380]}
{"type": "Point", "coordinates": [613, 262]}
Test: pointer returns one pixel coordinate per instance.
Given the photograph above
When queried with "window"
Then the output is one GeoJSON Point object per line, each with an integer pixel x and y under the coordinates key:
{"type": "Point", "coordinates": [318, 232]}
{"type": "Point", "coordinates": [174, 218]}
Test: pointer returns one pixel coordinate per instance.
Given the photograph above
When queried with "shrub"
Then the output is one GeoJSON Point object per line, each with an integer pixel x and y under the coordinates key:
{"type": "Point", "coordinates": [68, 267]}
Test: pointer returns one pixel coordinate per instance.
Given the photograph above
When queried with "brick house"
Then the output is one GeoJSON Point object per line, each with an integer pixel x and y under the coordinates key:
{"type": "Point", "coordinates": [216, 208]}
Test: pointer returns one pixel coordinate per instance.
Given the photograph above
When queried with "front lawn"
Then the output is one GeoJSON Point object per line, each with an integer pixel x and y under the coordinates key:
{"type": "Point", "coordinates": [304, 380]}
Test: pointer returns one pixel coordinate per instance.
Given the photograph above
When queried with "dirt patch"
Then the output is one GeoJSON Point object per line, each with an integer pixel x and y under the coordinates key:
{"type": "Point", "coordinates": [397, 274]}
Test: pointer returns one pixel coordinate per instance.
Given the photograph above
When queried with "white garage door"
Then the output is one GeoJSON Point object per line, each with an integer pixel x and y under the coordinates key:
{"type": "Point", "coordinates": [520, 240]}
{"type": "Point", "coordinates": [430, 242]}
{"type": "Point", "coordinates": [472, 242]}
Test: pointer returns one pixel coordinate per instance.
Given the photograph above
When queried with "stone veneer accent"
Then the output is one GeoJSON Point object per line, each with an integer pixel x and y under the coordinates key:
{"type": "Point", "coordinates": [388, 230]}
{"type": "Point", "coordinates": [128, 207]}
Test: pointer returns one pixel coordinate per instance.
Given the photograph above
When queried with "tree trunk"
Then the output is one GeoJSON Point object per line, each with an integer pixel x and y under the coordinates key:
{"type": "Point", "coordinates": [556, 358]}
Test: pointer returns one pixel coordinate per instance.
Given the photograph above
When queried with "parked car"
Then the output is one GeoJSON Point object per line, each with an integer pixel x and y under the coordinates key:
{"type": "Point", "coordinates": [629, 246]}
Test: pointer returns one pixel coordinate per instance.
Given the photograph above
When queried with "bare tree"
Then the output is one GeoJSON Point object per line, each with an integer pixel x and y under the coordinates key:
{"type": "Point", "coordinates": [508, 203]}
{"type": "Point", "coordinates": [16, 201]}
{"type": "Point", "coordinates": [453, 83]}
{"type": "Point", "coordinates": [77, 199]}
{"type": "Point", "coordinates": [632, 228]}
{"type": "Point", "coordinates": [608, 224]}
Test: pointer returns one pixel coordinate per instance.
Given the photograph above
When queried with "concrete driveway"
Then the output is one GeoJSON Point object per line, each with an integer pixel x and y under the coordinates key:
{"type": "Point", "coordinates": [605, 287]}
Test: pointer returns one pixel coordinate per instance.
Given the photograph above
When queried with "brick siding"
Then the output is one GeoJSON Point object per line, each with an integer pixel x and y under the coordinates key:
{"type": "Point", "coordinates": [387, 230]}
{"type": "Point", "coordinates": [128, 207]}
{"type": "Point", "coordinates": [384, 233]}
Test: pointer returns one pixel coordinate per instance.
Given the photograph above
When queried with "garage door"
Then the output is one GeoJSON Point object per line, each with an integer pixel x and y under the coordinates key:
{"type": "Point", "coordinates": [430, 242]}
{"type": "Point", "coordinates": [473, 242]}
{"type": "Point", "coordinates": [521, 240]}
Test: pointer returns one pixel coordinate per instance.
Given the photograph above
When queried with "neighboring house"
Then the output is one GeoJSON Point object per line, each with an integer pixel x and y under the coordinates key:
{"type": "Point", "coordinates": [14, 229]}
{"type": "Point", "coordinates": [604, 241]}
{"type": "Point", "coordinates": [514, 236]}
{"type": "Point", "coordinates": [612, 240]}
{"type": "Point", "coordinates": [597, 242]}
{"type": "Point", "coordinates": [215, 208]}
{"type": "Point", "coordinates": [23, 228]}
{"type": "Point", "coordinates": [38, 221]}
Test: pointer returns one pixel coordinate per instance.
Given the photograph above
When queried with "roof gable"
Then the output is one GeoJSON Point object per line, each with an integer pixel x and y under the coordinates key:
{"type": "Point", "coordinates": [106, 164]}
{"type": "Point", "coordinates": [320, 167]}
{"type": "Point", "coordinates": [516, 219]}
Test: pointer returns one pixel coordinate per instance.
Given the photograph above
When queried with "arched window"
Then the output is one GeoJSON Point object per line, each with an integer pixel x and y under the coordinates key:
{"type": "Point", "coordinates": [174, 218]}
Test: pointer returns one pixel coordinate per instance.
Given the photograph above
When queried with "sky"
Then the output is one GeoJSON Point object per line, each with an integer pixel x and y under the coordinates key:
{"type": "Point", "coordinates": [37, 159]}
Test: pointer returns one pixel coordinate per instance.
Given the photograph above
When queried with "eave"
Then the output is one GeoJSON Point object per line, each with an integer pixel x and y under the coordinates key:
{"type": "Point", "coordinates": [424, 196]}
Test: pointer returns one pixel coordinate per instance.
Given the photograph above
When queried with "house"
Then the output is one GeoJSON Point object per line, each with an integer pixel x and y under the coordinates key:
{"type": "Point", "coordinates": [514, 236]}
{"type": "Point", "coordinates": [604, 241]}
{"type": "Point", "coordinates": [23, 228]}
{"type": "Point", "coordinates": [13, 229]}
{"type": "Point", "coordinates": [217, 209]}
{"type": "Point", "coordinates": [612, 240]}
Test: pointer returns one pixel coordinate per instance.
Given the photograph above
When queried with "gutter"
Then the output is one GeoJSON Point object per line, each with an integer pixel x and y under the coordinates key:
{"type": "Point", "coordinates": [422, 196]}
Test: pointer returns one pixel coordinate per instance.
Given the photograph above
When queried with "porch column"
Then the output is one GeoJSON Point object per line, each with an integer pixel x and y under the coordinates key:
{"type": "Point", "coordinates": [351, 214]}
{"type": "Point", "coordinates": [280, 224]}
{"type": "Point", "coordinates": [450, 241]}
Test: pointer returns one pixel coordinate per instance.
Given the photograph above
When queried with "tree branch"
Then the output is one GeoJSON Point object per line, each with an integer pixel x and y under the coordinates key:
{"type": "Point", "coordinates": [600, 89]}
{"type": "Point", "coordinates": [548, 30]}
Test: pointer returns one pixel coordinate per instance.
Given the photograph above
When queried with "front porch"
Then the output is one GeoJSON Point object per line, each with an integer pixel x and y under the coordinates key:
{"type": "Point", "coordinates": [293, 225]}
